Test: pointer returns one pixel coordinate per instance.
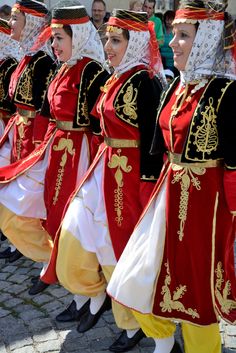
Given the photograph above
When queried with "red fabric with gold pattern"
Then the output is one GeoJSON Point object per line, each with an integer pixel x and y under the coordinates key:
{"type": "Point", "coordinates": [65, 150]}
{"type": "Point", "coordinates": [194, 286]}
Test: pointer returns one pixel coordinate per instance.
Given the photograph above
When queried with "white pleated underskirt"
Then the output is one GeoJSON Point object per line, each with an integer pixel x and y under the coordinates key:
{"type": "Point", "coordinates": [133, 281]}
{"type": "Point", "coordinates": [86, 218]}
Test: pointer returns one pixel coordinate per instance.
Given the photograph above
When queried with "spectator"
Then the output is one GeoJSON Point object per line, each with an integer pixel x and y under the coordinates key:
{"type": "Point", "coordinates": [5, 12]}
{"type": "Point", "coordinates": [98, 13]}
{"type": "Point", "coordinates": [149, 7]}
{"type": "Point", "coordinates": [135, 5]}
{"type": "Point", "coordinates": [166, 50]}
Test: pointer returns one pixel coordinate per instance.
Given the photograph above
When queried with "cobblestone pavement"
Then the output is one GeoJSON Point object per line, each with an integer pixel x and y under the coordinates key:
{"type": "Point", "coordinates": [28, 325]}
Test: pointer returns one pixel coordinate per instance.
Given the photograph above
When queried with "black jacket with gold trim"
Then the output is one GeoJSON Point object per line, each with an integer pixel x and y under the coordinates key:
{"type": "Point", "coordinates": [33, 81]}
{"type": "Point", "coordinates": [212, 130]}
{"type": "Point", "coordinates": [7, 67]}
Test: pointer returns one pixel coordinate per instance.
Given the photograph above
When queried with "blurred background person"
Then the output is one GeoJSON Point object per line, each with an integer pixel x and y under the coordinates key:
{"type": "Point", "coordinates": [135, 5]}
{"type": "Point", "coordinates": [149, 7]}
{"type": "Point", "coordinates": [166, 50]}
{"type": "Point", "coordinates": [98, 13]}
{"type": "Point", "coordinates": [5, 12]}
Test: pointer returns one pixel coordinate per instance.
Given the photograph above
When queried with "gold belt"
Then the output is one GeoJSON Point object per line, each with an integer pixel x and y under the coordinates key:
{"type": "Point", "coordinates": [121, 143]}
{"type": "Point", "coordinates": [30, 114]}
{"type": "Point", "coordinates": [176, 159]}
{"type": "Point", "coordinates": [68, 126]}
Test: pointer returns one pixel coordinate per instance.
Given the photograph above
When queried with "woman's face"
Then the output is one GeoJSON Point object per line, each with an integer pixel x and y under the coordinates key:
{"type": "Point", "coordinates": [115, 47]}
{"type": "Point", "coordinates": [184, 34]}
{"type": "Point", "coordinates": [62, 44]}
{"type": "Point", "coordinates": [17, 23]}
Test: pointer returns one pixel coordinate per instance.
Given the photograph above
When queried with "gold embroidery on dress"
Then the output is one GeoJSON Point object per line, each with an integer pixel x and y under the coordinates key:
{"type": "Point", "coordinates": [119, 162]}
{"type": "Point", "coordinates": [48, 80]}
{"type": "Point", "coordinates": [65, 144]}
{"type": "Point", "coordinates": [170, 302]}
{"type": "Point", "coordinates": [206, 138]}
{"type": "Point", "coordinates": [129, 107]}
{"type": "Point", "coordinates": [25, 88]}
{"type": "Point", "coordinates": [227, 305]}
{"type": "Point", "coordinates": [21, 122]}
{"type": "Point", "coordinates": [185, 175]}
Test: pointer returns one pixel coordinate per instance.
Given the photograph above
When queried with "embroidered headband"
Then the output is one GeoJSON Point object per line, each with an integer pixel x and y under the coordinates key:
{"type": "Point", "coordinates": [35, 8]}
{"type": "Point", "coordinates": [4, 27]}
{"type": "Point", "coordinates": [68, 16]}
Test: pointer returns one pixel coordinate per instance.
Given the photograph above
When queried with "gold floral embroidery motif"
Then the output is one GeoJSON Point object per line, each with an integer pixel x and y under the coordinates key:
{"type": "Point", "coordinates": [119, 162]}
{"type": "Point", "coordinates": [170, 303]}
{"type": "Point", "coordinates": [206, 138]}
{"type": "Point", "coordinates": [65, 144]}
{"type": "Point", "coordinates": [221, 294]}
{"type": "Point", "coordinates": [130, 103]}
{"type": "Point", "coordinates": [21, 122]}
{"type": "Point", "coordinates": [185, 175]}
{"type": "Point", "coordinates": [25, 88]}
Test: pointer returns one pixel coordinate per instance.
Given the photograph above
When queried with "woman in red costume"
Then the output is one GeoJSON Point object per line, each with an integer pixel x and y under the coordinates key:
{"type": "Point", "coordinates": [108, 203]}
{"type": "Point", "coordinates": [27, 89]}
{"type": "Point", "coordinates": [70, 98]}
{"type": "Point", "coordinates": [179, 261]}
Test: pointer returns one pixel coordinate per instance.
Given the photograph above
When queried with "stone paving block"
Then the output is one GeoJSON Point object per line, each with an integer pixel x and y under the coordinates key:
{"type": "Point", "coordinates": [2, 348]}
{"type": "Point", "coordinates": [44, 336]}
{"type": "Point", "coordinates": [9, 269]}
{"type": "Point", "coordinates": [11, 303]}
{"type": "Point", "coordinates": [73, 334]}
{"type": "Point", "coordinates": [4, 312]}
{"type": "Point", "coordinates": [98, 332]}
{"type": "Point", "coordinates": [32, 314]}
{"type": "Point", "coordinates": [16, 278]}
{"type": "Point", "coordinates": [80, 343]}
{"type": "Point", "coordinates": [53, 305]}
{"type": "Point", "coordinates": [58, 291]}
{"type": "Point", "coordinates": [49, 346]}
{"type": "Point", "coordinates": [27, 349]}
{"type": "Point", "coordinates": [4, 276]}
{"type": "Point", "coordinates": [23, 271]}
{"type": "Point", "coordinates": [42, 299]}
{"type": "Point", "coordinates": [5, 296]}
{"type": "Point", "coordinates": [39, 324]}
{"type": "Point", "coordinates": [4, 284]}
{"type": "Point", "coordinates": [15, 288]}
{"type": "Point", "coordinates": [23, 308]}
{"type": "Point", "coordinates": [20, 342]}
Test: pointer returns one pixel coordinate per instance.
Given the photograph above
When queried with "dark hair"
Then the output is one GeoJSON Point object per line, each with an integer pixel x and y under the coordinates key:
{"type": "Point", "coordinates": [6, 10]}
{"type": "Point", "coordinates": [168, 14]}
{"type": "Point", "coordinates": [152, 1]}
{"type": "Point", "coordinates": [103, 2]}
{"type": "Point", "coordinates": [68, 30]}
{"type": "Point", "coordinates": [125, 33]}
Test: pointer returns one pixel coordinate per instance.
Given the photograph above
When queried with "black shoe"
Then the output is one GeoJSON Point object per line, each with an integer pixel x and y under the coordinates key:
{"type": "Point", "coordinates": [89, 320]}
{"type": "Point", "coordinates": [124, 343]}
{"type": "Point", "coordinates": [38, 287]}
{"type": "Point", "coordinates": [2, 236]}
{"type": "Point", "coordinates": [71, 313]}
{"type": "Point", "coordinates": [176, 348]}
{"type": "Point", "coordinates": [35, 279]}
{"type": "Point", "coordinates": [15, 255]}
{"type": "Point", "coordinates": [6, 253]}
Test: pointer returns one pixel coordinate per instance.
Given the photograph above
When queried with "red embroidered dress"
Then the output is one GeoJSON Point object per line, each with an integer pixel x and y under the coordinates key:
{"type": "Point", "coordinates": [188, 274]}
